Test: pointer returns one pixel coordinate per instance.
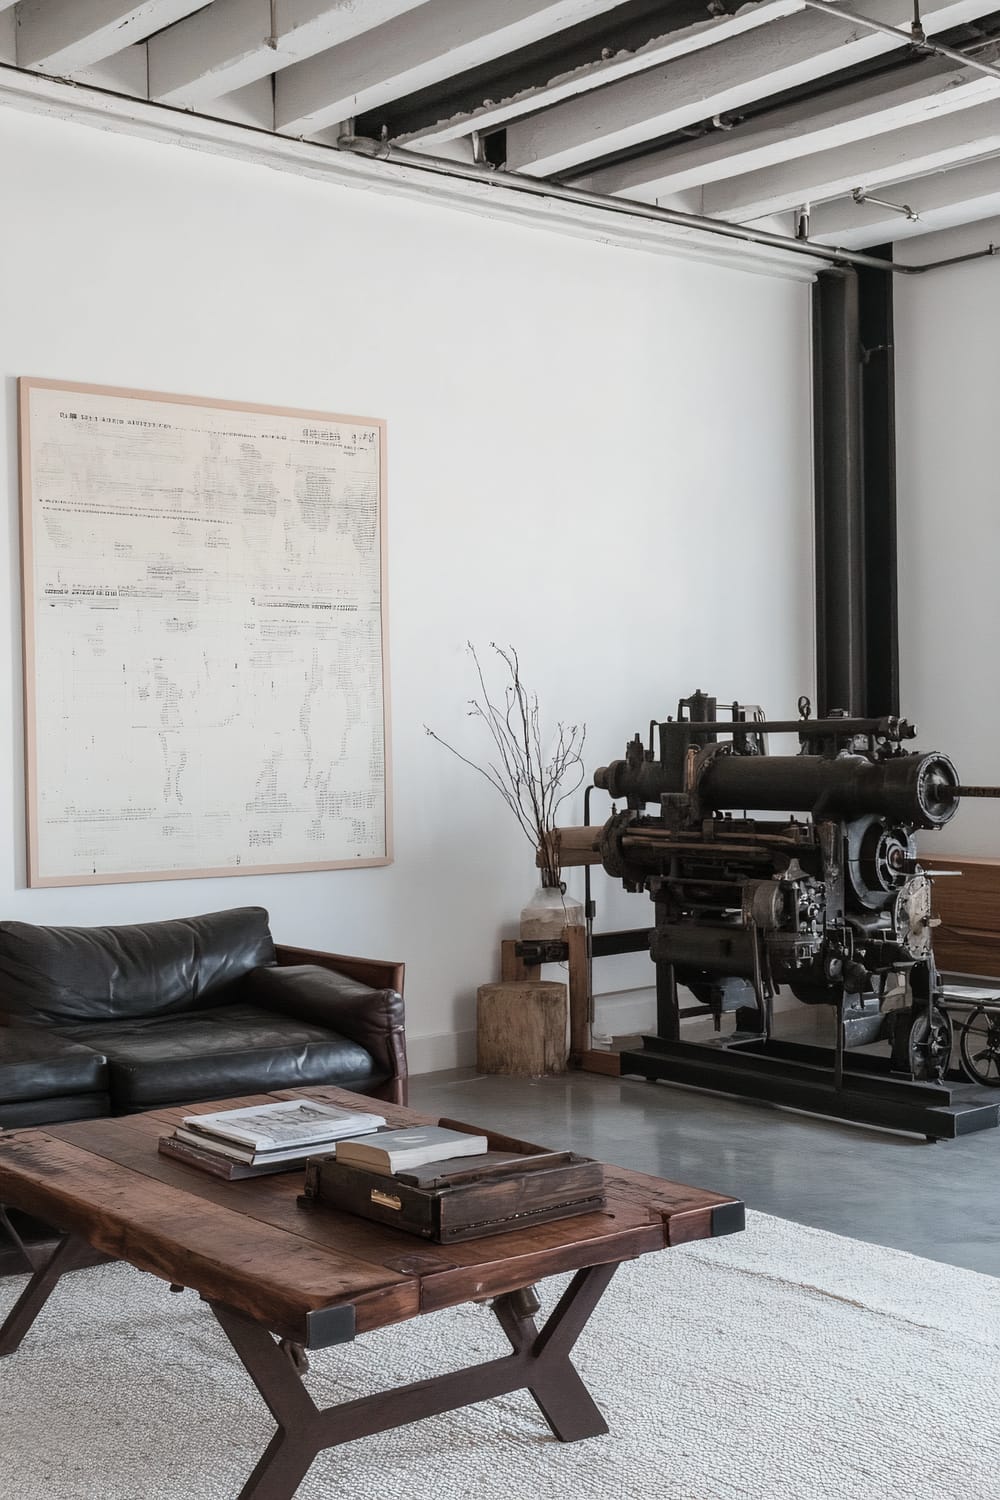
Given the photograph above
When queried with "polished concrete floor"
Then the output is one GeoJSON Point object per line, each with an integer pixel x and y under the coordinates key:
{"type": "Point", "coordinates": [940, 1201]}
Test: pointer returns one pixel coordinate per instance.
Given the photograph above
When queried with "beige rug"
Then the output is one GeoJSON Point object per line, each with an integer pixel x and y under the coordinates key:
{"type": "Point", "coordinates": [782, 1364]}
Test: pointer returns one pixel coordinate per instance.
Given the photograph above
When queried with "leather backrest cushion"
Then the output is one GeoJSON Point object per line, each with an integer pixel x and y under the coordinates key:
{"type": "Point", "coordinates": [62, 974]}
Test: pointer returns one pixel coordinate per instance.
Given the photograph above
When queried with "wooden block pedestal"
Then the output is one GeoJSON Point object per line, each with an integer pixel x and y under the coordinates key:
{"type": "Point", "coordinates": [521, 1027]}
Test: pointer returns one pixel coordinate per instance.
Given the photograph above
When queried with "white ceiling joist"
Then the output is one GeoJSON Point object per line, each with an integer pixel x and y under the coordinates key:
{"type": "Point", "coordinates": [913, 152]}
{"type": "Point", "coordinates": [871, 106]}
{"type": "Point", "coordinates": [63, 36]}
{"type": "Point", "coordinates": [609, 70]}
{"type": "Point", "coordinates": [962, 196]}
{"type": "Point", "coordinates": [714, 80]}
{"type": "Point", "coordinates": [436, 41]}
{"type": "Point", "coordinates": [232, 43]}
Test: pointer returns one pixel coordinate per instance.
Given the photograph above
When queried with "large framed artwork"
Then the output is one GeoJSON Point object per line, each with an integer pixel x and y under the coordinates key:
{"type": "Point", "coordinates": [204, 636]}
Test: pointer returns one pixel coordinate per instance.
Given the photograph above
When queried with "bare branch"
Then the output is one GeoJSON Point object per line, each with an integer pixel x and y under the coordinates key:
{"type": "Point", "coordinates": [532, 785]}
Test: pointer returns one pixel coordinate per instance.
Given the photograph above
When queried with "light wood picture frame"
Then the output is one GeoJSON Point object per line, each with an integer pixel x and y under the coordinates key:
{"type": "Point", "coordinates": [205, 636]}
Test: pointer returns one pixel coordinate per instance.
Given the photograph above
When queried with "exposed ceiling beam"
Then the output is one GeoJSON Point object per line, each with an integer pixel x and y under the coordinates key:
{"type": "Point", "coordinates": [231, 44]}
{"type": "Point", "coordinates": [7, 4]}
{"type": "Point", "coordinates": [620, 63]}
{"type": "Point", "coordinates": [961, 196]}
{"type": "Point", "coordinates": [64, 36]}
{"type": "Point", "coordinates": [124, 73]}
{"type": "Point", "coordinates": [914, 152]}
{"type": "Point", "coordinates": [925, 89]}
{"type": "Point", "coordinates": [780, 56]}
{"type": "Point", "coordinates": [439, 39]}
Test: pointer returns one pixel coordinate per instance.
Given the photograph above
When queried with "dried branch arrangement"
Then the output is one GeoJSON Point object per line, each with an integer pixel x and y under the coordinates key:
{"type": "Point", "coordinates": [532, 781]}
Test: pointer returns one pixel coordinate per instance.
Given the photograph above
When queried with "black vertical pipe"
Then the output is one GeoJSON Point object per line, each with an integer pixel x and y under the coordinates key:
{"type": "Point", "coordinates": [857, 648]}
{"type": "Point", "coordinates": [878, 408]}
{"type": "Point", "coordinates": [839, 481]}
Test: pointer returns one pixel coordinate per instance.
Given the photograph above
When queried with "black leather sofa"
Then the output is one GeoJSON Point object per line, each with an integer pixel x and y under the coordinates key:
{"type": "Point", "coordinates": [111, 1020]}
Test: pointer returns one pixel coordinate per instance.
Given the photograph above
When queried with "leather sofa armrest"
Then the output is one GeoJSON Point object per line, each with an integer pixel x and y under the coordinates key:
{"type": "Point", "coordinates": [374, 1018]}
{"type": "Point", "coordinates": [377, 972]}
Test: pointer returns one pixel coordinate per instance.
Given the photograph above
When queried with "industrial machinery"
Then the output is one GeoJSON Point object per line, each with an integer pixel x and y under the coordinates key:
{"type": "Point", "coordinates": [829, 898]}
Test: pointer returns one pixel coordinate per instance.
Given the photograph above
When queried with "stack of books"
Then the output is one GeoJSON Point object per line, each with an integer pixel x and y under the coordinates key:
{"type": "Point", "coordinates": [264, 1138]}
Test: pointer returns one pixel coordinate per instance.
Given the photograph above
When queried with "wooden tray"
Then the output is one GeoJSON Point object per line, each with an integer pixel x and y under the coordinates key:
{"type": "Point", "coordinates": [463, 1198]}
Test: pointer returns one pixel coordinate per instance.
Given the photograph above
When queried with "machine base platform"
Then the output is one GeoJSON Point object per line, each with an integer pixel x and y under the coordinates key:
{"type": "Point", "coordinates": [802, 1077]}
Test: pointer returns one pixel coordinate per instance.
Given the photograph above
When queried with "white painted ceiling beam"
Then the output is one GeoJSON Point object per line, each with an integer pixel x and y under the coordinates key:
{"type": "Point", "coordinates": [961, 196]}
{"type": "Point", "coordinates": [65, 36]}
{"type": "Point", "coordinates": [231, 44]}
{"type": "Point", "coordinates": [436, 41]}
{"type": "Point", "coordinates": [870, 106]}
{"type": "Point", "coordinates": [712, 81]}
{"type": "Point", "coordinates": [124, 73]}
{"type": "Point", "coordinates": [609, 70]}
{"type": "Point", "coordinates": [7, 4]}
{"type": "Point", "coordinates": [914, 152]}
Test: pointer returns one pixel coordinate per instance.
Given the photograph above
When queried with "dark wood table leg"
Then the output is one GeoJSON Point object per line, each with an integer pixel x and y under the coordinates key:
{"type": "Point", "coordinates": [561, 1395]}
{"type": "Point", "coordinates": [30, 1261]}
{"type": "Point", "coordinates": [70, 1253]}
{"type": "Point", "coordinates": [540, 1363]}
{"type": "Point", "coordinates": [287, 1458]}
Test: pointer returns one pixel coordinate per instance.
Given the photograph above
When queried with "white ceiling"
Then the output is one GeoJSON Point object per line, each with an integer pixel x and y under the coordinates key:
{"type": "Point", "coordinates": [745, 114]}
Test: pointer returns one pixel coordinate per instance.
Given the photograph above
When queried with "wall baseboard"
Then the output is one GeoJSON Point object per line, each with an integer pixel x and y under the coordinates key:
{"type": "Point", "coordinates": [448, 1049]}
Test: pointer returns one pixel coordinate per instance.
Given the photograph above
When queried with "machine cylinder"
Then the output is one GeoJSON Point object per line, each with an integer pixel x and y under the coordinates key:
{"type": "Point", "coordinates": [913, 789]}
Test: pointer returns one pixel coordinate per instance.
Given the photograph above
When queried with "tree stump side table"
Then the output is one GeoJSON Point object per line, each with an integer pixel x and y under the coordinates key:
{"type": "Point", "coordinates": [521, 1027]}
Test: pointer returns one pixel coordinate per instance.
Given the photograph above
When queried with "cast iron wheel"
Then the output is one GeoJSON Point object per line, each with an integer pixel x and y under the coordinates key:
{"type": "Point", "coordinates": [929, 1046]}
{"type": "Point", "coordinates": [979, 1048]}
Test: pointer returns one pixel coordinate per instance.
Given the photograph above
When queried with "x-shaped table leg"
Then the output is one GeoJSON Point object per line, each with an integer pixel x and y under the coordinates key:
{"type": "Point", "coordinates": [69, 1254]}
{"type": "Point", "coordinates": [540, 1363]}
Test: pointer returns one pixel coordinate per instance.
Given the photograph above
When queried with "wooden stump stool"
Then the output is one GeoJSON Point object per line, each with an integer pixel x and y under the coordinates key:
{"type": "Point", "coordinates": [521, 1027]}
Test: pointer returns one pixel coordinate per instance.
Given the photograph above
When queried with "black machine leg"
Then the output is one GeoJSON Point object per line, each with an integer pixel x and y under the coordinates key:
{"type": "Point", "coordinates": [839, 1044]}
{"type": "Point", "coordinates": [69, 1254]}
{"type": "Point", "coordinates": [540, 1363]}
{"type": "Point", "coordinates": [668, 1024]}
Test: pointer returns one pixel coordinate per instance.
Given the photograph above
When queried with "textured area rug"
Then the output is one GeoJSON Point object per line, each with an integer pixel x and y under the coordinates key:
{"type": "Point", "coordinates": [784, 1363]}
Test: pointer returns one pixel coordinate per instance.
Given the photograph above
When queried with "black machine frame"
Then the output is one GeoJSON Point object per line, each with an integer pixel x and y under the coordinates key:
{"type": "Point", "coordinates": [837, 906]}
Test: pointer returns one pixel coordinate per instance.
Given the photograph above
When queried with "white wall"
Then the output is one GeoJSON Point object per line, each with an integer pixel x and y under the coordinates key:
{"type": "Point", "coordinates": [596, 453]}
{"type": "Point", "coordinates": [947, 404]}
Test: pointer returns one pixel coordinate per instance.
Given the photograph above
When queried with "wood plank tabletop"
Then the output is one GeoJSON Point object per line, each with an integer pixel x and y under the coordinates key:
{"type": "Point", "coordinates": [249, 1243]}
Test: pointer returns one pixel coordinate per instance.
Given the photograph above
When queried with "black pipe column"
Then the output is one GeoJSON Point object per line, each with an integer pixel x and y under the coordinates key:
{"type": "Point", "coordinates": [857, 649]}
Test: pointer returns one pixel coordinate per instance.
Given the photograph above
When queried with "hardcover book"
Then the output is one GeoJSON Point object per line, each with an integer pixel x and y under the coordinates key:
{"type": "Point", "coordinates": [393, 1151]}
{"type": "Point", "coordinates": [230, 1151]}
{"type": "Point", "coordinates": [218, 1165]}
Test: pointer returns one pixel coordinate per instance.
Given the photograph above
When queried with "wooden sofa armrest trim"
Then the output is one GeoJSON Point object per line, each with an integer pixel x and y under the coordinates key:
{"type": "Point", "coordinates": [381, 974]}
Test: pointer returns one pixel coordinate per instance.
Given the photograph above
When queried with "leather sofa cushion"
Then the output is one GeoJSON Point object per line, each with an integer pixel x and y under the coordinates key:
{"type": "Point", "coordinates": [215, 1054]}
{"type": "Point", "coordinates": [24, 1112]}
{"type": "Point", "coordinates": [68, 974]}
{"type": "Point", "coordinates": [34, 1064]}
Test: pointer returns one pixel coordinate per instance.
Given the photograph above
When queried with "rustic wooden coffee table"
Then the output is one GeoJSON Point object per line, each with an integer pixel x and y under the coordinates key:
{"type": "Point", "coordinates": [268, 1267]}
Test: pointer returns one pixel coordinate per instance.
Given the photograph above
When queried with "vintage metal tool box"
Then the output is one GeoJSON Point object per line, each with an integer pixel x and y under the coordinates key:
{"type": "Point", "coordinates": [464, 1197]}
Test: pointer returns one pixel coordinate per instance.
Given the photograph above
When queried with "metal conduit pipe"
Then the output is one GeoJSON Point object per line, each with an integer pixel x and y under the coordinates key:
{"type": "Point", "coordinates": [914, 38]}
{"type": "Point", "coordinates": [632, 208]}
